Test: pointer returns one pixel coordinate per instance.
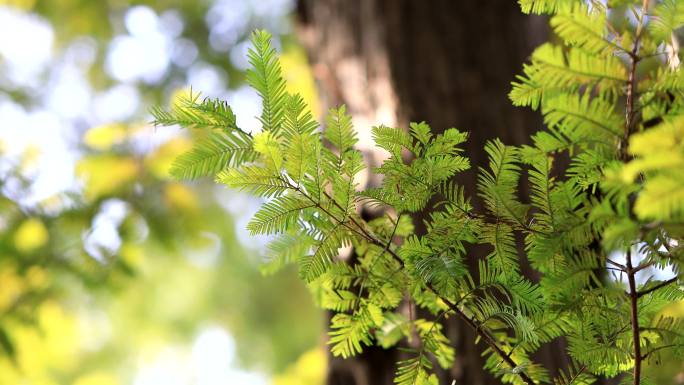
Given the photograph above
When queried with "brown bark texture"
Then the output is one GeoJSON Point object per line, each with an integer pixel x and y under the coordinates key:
{"type": "Point", "coordinates": [447, 62]}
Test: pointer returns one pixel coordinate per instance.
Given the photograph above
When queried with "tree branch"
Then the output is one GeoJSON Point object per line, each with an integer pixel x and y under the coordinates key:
{"type": "Point", "coordinates": [656, 287]}
{"type": "Point", "coordinates": [474, 324]}
{"type": "Point", "coordinates": [634, 298]}
{"type": "Point", "coordinates": [630, 123]}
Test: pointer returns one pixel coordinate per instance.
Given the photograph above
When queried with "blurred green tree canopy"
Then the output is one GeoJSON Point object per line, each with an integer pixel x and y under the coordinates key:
{"type": "Point", "coordinates": [110, 272]}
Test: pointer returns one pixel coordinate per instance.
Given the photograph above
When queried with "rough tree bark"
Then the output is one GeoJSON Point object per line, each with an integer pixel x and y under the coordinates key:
{"type": "Point", "coordinates": [447, 62]}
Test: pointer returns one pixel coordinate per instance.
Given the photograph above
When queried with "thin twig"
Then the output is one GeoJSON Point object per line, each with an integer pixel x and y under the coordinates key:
{"type": "Point", "coordinates": [656, 349]}
{"type": "Point", "coordinates": [643, 266]}
{"type": "Point", "coordinates": [619, 265]}
{"type": "Point", "coordinates": [576, 376]}
{"type": "Point", "coordinates": [656, 287]}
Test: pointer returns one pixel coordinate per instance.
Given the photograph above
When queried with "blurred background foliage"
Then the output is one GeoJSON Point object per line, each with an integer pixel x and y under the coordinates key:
{"type": "Point", "coordinates": [111, 272]}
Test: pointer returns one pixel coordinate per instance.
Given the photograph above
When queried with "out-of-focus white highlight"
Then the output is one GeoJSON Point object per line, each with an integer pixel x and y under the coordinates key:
{"type": "Point", "coordinates": [207, 78]}
{"type": "Point", "coordinates": [116, 104]}
{"type": "Point", "coordinates": [212, 354]}
{"type": "Point", "coordinates": [103, 240]}
{"type": "Point", "coordinates": [69, 94]}
{"type": "Point", "coordinates": [25, 46]}
{"type": "Point", "coordinates": [145, 53]}
{"type": "Point", "coordinates": [209, 362]}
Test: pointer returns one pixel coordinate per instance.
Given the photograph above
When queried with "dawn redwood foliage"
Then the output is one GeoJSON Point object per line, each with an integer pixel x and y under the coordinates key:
{"type": "Point", "coordinates": [612, 97]}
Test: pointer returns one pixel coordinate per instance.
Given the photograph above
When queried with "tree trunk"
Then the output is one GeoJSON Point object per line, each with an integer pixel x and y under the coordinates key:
{"type": "Point", "coordinates": [449, 63]}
